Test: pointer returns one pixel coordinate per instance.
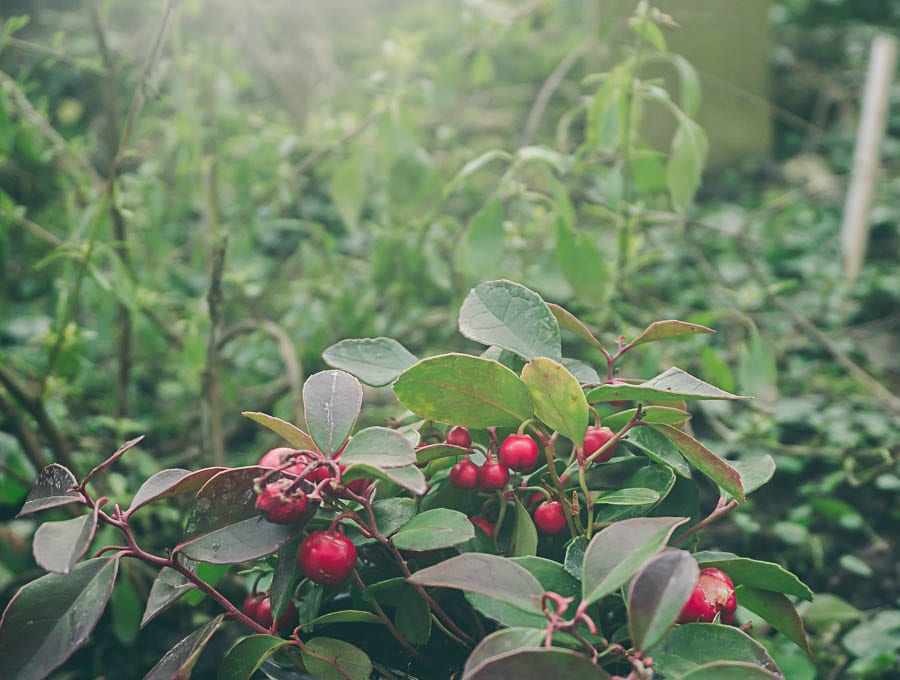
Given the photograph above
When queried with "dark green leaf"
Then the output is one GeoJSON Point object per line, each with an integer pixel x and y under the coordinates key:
{"type": "Point", "coordinates": [179, 661]}
{"type": "Point", "coordinates": [557, 397]}
{"type": "Point", "coordinates": [125, 611]}
{"type": "Point", "coordinates": [569, 322]}
{"type": "Point", "coordinates": [631, 496]}
{"type": "Point", "coordinates": [482, 246]}
{"type": "Point", "coordinates": [665, 415]}
{"type": "Point", "coordinates": [393, 513]}
{"type": "Point", "coordinates": [672, 384]}
{"type": "Point", "coordinates": [552, 576]}
{"type": "Point", "coordinates": [778, 610]}
{"type": "Point", "coordinates": [510, 316]}
{"type": "Point", "coordinates": [759, 574]}
{"type": "Point", "coordinates": [59, 545]}
{"type": "Point", "coordinates": [656, 447]}
{"type": "Point", "coordinates": [691, 645]}
{"type": "Point", "coordinates": [464, 390]}
{"type": "Point", "coordinates": [379, 447]}
{"type": "Point", "coordinates": [345, 616]}
{"type": "Point", "coordinates": [243, 660]}
{"type": "Point", "coordinates": [537, 664]}
{"type": "Point", "coordinates": [617, 552]}
{"type": "Point", "coordinates": [426, 454]}
{"type": "Point", "coordinates": [292, 434]}
{"type": "Point", "coordinates": [375, 361]}
{"type": "Point", "coordinates": [352, 660]}
{"type": "Point", "coordinates": [54, 487]}
{"type": "Point", "coordinates": [665, 330]}
{"type": "Point", "coordinates": [657, 594]}
{"type": "Point", "coordinates": [705, 460]}
{"type": "Point", "coordinates": [525, 538]}
{"type": "Point", "coordinates": [283, 578]}
{"type": "Point", "coordinates": [413, 617]}
{"type": "Point", "coordinates": [51, 617]}
{"type": "Point", "coordinates": [331, 401]}
{"type": "Point", "coordinates": [224, 526]}
{"type": "Point", "coordinates": [167, 587]}
{"type": "Point", "coordinates": [434, 529]}
{"type": "Point", "coordinates": [657, 478]}
{"type": "Point", "coordinates": [730, 670]}
{"type": "Point", "coordinates": [501, 642]}
{"type": "Point", "coordinates": [754, 472]}
{"type": "Point", "coordinates": [409, 477]}
{"type": "Point", "coordinates": [168, 483]}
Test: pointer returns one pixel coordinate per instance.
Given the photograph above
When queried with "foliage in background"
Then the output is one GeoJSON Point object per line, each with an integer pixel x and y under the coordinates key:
{"type": "Point", "coordinates": [365, 182]}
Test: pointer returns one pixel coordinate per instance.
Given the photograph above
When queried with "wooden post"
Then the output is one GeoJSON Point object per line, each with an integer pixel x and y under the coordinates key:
{"type": "Point", "coordinates": [872, 120]}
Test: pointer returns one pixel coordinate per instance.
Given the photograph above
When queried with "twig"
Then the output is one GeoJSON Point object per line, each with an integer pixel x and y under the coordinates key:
{"type": "Point", "coordinates": [554, 80]}
{"type": "Point", "coordinates": [385, 618]}
{"type": "Point", "coordinates": [721, 510]}
{"type": "Point", "coordinates": [212, 378]}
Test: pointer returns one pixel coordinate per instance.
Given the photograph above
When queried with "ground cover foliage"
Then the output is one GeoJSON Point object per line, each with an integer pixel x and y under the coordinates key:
{"type": "Point", "coordinates": [277, 193]}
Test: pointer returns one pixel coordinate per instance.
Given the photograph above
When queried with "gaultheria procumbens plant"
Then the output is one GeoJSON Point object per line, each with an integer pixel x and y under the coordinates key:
{"type": "Point", "coordinates": [376, 555]}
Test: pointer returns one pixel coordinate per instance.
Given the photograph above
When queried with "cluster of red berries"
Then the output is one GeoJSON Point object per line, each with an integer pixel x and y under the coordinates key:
{"type": "Point", "coordinates": [277, 458]}
{"type": "Point", "coordinates": [258, 606]}
{"type": "Point", "coordinates": [712, 596]}
{"type": "Point", "coordinates": [518, 452]}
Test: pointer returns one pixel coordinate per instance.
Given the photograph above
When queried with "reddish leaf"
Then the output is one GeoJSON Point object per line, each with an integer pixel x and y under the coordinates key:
{"type": "Point", "coordinates": [54, 487]}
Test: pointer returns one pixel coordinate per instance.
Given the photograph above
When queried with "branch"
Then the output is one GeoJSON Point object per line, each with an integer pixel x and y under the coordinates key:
{"type": "Point", "coordinates": [212, 378]}
{"type": "Point", "coordinates": [554, 80]}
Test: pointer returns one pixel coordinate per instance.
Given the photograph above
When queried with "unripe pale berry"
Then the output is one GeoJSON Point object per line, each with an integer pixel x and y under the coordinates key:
{"type": "Point", "coordinates": [275, 458]}
{"type": "Point", "coordinates": [550, 517]}
{"type": "Point", "coordinates": [464, 475]}
{"type": "Point", "coordinates": [596, 437]}
{"type": "Point", "coordinates": [326, 557]}
{"type": "Point", "coordinates": [493, 476]}
{"type": "Point", "coordinates": [459, 436]}
{"type": "Point", "coordinates": [713, 594]}
{"type": "Point", "coordinates": [519, 452]}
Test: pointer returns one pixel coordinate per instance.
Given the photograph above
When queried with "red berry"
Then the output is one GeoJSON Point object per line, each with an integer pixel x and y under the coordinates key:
{"type": "Point", "coordinates": [483, 524]}
{"type": "Point", "coordinates": [550, 517]}
{"type": "Point", "coordinates": [251, 605]}
{"type": "Point", "coordinates": [713, 594]}
{"type": "Point", "coordinates": [492, 476]}
{"type": "Point", "coordinates": [519, 452]}
{"type": "Point", "coordinates": [264, 614]}
{"type": "Point", "coordinates": [459, 436]}
{"type": "Point", "coordinates": [594, 438]}
{"type": "Point", "coordinates": [280, 505]}
{"type": "Point", "coordinates": [464, 475]}
{"type": "Point", "coordinates": [326, 557]}
{"type": "Point", "coordinates": [275, 458]}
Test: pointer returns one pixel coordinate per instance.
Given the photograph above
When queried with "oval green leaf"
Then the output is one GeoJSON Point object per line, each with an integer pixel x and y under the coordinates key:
{"type": "Point", "coordinates": [657, 594]}
{"type": "Point", "coordinates": [59, 545]}
{"type": "Point", "coordinates": [501, 642]}
{"type": "Point", "coordinates": [434, 529]}
{"type": "Point", "coordinates": [650, 414]}
{"type": "Point", "coordinates": [691, 645]}
{"type": "Point", "coordinates": [671, 385]}
{"type": "Point", "coordinates": [730, 670]}
{"type": "Point", "coordinates": [168, 483]}
{"type": "Point", "coordinates": [633, 496]}
{"type": "Point", "coordinates": [292, 434]}
{"type": "Point", "coordinates": [657, 448]}
{"type": "Point", "coordinates": [167, 587]}
{"type": "Point", "coordinates": [524, 538]}
{"type": "Point", "coordinates": [459, 389]}
{"type": "Point", "coordinates": [51, 617]}
{"type": "Point", "coordinates": [668, 329]}
{"type": "Point", "coordinates": [353, 661]}
{"type": "Point", "coordinates": [569, 322]}
{"type": "Point", "coordinates": [657, 478]}
{"type": "Point", "coordinates": [178, 661]}
{"type": "Point", "coordinates": [53, 487]}
{"type": "Point", "coordinates": [759, 574]}
{"type": "Point", "coordinates": [617, 552]}
{"type": "Point", "coordinates": [375, 361]}
{"type": "Point", "coordinates": [705, 460]}
{"type": "Point", "coordinates": [345, 616]}
{"type": "Point", "coordinates": [426, 454]}
{"type": "Point", "coordinates": [538, 664]}
{"type": "Point", "coordinates": [778, 610]}
{"type": "Point", "coordinates": [379, 447]}
{"type": "Point", "coordinates": [557, 397]}
{"type": "Point", "coordinates": [510, 316]}
{"type": "Point", "coordinates": [409, 477]}
{"type": "Point", "coordinates": [332, 401]}
{"type": "Point", "coordinates": [243, 660]}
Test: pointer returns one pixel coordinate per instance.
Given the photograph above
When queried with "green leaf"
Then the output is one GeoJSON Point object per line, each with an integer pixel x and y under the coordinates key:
{"type": "Point", "coordinates": [557, 398]}
{"type": "Point", "coordinates": [179, 661]}
{"type": "Point", "coordinates": [283, 578]}
{"type": "Point", "coordinates": [510, 316]}
{"type": "Point", "coordinates": [537, 664]}
{"type": "Point", "coordinates": [645, 29]}
{"type": "Point", "coordinates": [673, 384]}
{"type": "Point", "coordinates": [617, 552]}
{"type": "Point", "coordinates": [393, 513]}
{"type": "Point", "coordinates": [757, 371]}
{"type": "Point", "coordinates": [495, 577]}
{"type": "Point", "coordinates": [569, 322]}
{"type": "Point", "coordinates": [379, 447]}
{"type": "Point", "coordinates": [345, 616]}
{"type": "Point", "coordinates": [668, 329]}
{"type": "Point", "coordinates": [553, 577]}
{"type": "Point", "coordinates": [582, 371]}
{"type": "Point", "coordinates": [730, 670]}
{"type": "Point", "coordinates": [656, 447]}
{"type": "Point", "coordinates": [464, 390]}
{"type": "Point", "coordinates": [656, 595]}
{"type": "Point", "coordinates": [168, 586]}
{"type": "Point", "coordinates": [574, 559]}
{"type": "Point", "coordinates": [778, 610]}
{"type": "Point", "coordinates": [582, 265]}
{"type": "Point", "coordinates": [501, 642]}
{"type": "Point", "coordinates": [351, 659]}
{"type": "Point", "coordinates": [754, 472]}
{"type": "Point", "coordinates": [292, 434]}
{"type": "Point", "coordinates": [631, 496]}
{"type": "Point", "coordinates": [878, 635]}
{"type": "Point", "coordinates": [687, 156]}
{"type": "Point", "coordinates": [524, 539]}
{"type": "Point", "coordinates": [426, 454]}
{"type": "Point", "coordinates": [656, 478]}
{"type": "Point", "coordinates": [51, 617]}
{"type": "Point", "coordinates": [375, 361]}
{"type": "Point", "coordinates": [224, 526]}
{"type": "Point", "coordinates": [692, 645]}
{"type": "Point", "coordinates": [168, 483]}
{"type": "Point", "coordinates": [331, 401]}
{"type": "Point", "coordinates": [125, 611]}
{"type": "Point", "coordinates": [409, 477]}
{"type": "Point", "coordinates": [59, 545]}
{"type": "Point", "coordinates": [53, 487]}
{"type": "Point", "coordinates": [474, 166]}
{"type": "Point", "coordinates": [759, 574]}
{"type": "Point", "coordinates": [243, 660]}
{"type": "Point", "coordinates": [483, 245]}
{"type": "Point", "coordinates": [664, 415]}
{"type": "Point", "coordinates": [434, 529]}
{"type": "Point", "coordinates": [413, 617]}
{"type": "Point", "coordinates": [348, 191]}
{"type": "Point", "coordinates": [705, 460]}
{"type": "Point", "coordinates": [828, 609]}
